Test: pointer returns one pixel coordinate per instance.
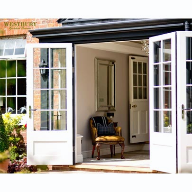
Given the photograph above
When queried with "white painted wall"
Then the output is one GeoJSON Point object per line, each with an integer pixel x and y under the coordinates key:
{"type": "Point", "coordinates": [85, 94]}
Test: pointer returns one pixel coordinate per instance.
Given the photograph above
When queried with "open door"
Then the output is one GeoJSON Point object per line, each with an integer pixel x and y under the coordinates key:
{"type": "Point", "coordinates": [162, 97]}
{"type": "Point", "coordinates": [184, 98]}
{"type": "Point", "coordinates": [139, 102]}
{"type": "Point", "coordinates": [49, 103]}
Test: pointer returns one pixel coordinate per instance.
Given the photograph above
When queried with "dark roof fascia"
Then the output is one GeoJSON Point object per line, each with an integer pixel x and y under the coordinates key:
{"type": "Point", "coordinates": [130, 25]}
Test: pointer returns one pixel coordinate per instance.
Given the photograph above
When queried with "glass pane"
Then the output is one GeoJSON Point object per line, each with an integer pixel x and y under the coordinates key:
{"type": "Point", "coordinates": [157, 121]}
{"type": "Point", "coordinates": [167, 74]}
{"type": "Point", "coordinates": [2, 104]}
{"type": "Point", "coordinates": [140, 93]}
{"type": "Point", "coordinates": [40, 81]}
{"type": "Point", "coordinates": [8, 51]}
{"type": "Point", "coordinates": [21, 105]}
{"type": "Point", "coordinates": [19, 51]}
{"type": "Point", "coordinates": [21, 68]}
{"type": "Point", "coordinates": [58, 79]}
{"type": "Point", "coordinates": [157, 75]}
{"type": "Point", "coordinates": [144, 68]}
{"type": "Point", "coordinates": [188, 48]}
{"type": "Point", "coordinates": [189, 72]}
{"type": "Point", "coordinates": [11, 86]}
{"type": "Point", "coordinates": [134, 92]}
{"type": "Point", "coordinates": [157, 98]}
{"type": "Point", "coordinates": [167, 50]}
{"type": "Point", "coordinates": [140, 67]}
{"type": "Point", "coordinates": [167, 97]}
{"type": "Point", "coordinates": [189, 106]}
{"type": "Point", "coordinates": [134, 67]}
{"type": "Point", "coordinates": [1, 52]}
{"type": "Point", "coordinates": [2, 87]}
{"type": "Point", "coordinates": [189, 122]}
{"type": "Point", "coordinates": [58, 58]}
{"type": "Point", "coordinates": [189, 97]}
{"type": "Point", "coordinates": [41, 120]}
{"type": "Point", "coordinates": [140, 80]}
{"type": "Point", "coordinates": [41, 59]}
{"type": "Point", "coordinates": [21, 86]}
{"type": "Point", "coordinates": [2, 69]}
{"type": "Point", "coordinates": [134, 80]}
{"type": "Point", "coordinates": [41, 99]}
{"type": "Point", "coordinates": [11, 104]}
{"type": "Point", "coordinates": [59, 99]}
{"type": "Point", "coordinates": [144, 93]}
{"type": "Point", "coordinates": [157, 52]}
{"type": "Point", "coordinates": [144, 80]}
{"type": "Point", "coordinates": [167, 121]}
{"type": "Point", "coordinates": [11, 68]}
{"type": "Point", "coordinates": [59, 120]}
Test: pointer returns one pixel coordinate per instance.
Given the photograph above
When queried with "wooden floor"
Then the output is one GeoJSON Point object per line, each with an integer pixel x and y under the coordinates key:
{"type": "Point", "coordinates": [134, 162]}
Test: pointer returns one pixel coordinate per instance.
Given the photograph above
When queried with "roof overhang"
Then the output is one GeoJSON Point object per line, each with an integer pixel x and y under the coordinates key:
{"type": "Point", "coordinates": [110, 30]}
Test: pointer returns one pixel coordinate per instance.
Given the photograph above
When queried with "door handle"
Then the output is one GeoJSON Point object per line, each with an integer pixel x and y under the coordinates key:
{"type": "Point", "coordinates": [188, 109]}
{"type": "Point", "coordinates": [134, 106]}
{"type": "Point", "coordinates": [31, 110]}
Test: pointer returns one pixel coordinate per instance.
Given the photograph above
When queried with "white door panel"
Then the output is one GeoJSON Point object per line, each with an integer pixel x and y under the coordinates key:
{"type": "Point", "coordinates": [162, 96]}
{"type": "Point", "coordinates": [184, 98]}
{"type": "Point", "coordinates": [139, 103]}
{"type": "Point", "coordinates": [49, 103]}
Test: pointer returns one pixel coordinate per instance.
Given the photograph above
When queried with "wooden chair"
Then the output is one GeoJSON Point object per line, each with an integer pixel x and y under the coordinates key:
{"type": "Point", "coordinates": [111, 135]}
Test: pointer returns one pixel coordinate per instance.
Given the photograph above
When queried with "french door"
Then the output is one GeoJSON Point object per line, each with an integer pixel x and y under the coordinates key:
{"type": "Point", "coordinates": [162, 97]}
{"type": "Point", "coordinates": [49, 103]}
{"type": "Point", "coordinates": [184, 97]}
{"type": "Point", "coordinates": [171, 102]}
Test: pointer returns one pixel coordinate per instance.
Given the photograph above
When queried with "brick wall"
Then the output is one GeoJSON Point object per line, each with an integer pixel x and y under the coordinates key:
{"type": "Point", "coordinates": [15, 27]}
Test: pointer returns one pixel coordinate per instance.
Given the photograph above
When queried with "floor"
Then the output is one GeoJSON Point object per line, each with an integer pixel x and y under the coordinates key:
{"type": "Point", "coordinates": [134, 162]}
{"type": "Point", "coordinates": [132, 159]}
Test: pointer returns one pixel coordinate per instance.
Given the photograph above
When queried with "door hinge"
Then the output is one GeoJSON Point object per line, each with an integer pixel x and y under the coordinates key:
{"type": "Point", "coordinates": [73, 53]}
{"type": "Point", "coordinates": [73, 149]}
{"type": "Point", "coordinates": [132, 57]}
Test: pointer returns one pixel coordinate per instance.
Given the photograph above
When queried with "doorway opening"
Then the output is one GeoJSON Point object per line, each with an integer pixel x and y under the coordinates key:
{"type": "Point", "coordinates": [131, 93]}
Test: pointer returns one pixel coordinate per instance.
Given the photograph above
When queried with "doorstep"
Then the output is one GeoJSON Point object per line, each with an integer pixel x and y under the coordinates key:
{"type": "Point", "coordinates": [104, 168]}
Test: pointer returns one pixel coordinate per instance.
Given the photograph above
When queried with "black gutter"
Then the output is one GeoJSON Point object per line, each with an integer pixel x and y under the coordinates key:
{"type": "Point", "coordinates": [130, 24]}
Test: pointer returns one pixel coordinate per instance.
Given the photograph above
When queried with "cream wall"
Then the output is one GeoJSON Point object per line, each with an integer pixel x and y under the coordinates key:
{"type": "Point", "coordinates": [85, 93]}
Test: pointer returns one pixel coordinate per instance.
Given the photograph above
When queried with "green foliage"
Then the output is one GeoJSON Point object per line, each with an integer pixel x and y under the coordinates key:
{"type": "Point", "coordinates": [4, 145]}
{"type": "Point", "coordinates": [4, 155]}
{"type": "Point", "coordinates": [42, 167]}
{"type": "Point", "coordinates": [13, 130]}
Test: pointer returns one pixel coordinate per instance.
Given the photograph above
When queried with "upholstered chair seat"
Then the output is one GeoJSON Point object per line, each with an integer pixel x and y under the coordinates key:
{"type": "Point", "coordinates": [104, 132]}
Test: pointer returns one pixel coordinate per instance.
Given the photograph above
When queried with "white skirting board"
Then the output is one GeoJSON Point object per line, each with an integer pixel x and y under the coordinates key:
{"type": "Point", "coordinates": [106, 151]}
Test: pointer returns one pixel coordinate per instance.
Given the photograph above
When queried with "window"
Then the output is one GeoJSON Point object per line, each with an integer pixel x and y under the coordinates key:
{"type": "Point", "coordinates": [12, 47]}
{"type": "Point", "coordinates": [13, 86]}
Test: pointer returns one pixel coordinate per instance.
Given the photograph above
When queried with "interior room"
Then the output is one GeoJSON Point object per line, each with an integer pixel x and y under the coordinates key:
{"type": "Point", "coordinates": [86, 92]}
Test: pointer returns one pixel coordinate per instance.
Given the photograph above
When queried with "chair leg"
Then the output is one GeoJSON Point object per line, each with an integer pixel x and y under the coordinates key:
{"type": "Point", "coordinates": [111, 149]}
{"type": "Point", "coordinates": [114, 150]}
{"type": "Point", "coordinates": [98, 151]}
{"type": "Point", "coordinates": [93, 151]}
{"type": "Point", "coordinates": [122, 150]}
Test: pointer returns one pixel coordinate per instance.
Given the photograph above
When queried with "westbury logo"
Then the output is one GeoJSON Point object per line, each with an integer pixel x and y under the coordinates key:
{"type": "Point", "coordinates": [20, 25]}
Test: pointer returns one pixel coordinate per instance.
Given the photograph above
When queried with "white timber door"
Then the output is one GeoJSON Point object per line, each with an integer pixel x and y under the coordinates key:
{"type": "Point", "coordinates": [139, 102]}
{"type": "Point", "coordinates": [184, 98]}
{"type": "Point", "coordinates": [49, 103]}
{"type": "Point", "coordinates": [162, 97]}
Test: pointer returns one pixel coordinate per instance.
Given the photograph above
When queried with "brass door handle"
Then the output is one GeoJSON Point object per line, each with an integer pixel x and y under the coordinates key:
{"type": "Point", "coordinates": [134, 106]}
{"type": "Point", "coordinates": [31, 110]}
